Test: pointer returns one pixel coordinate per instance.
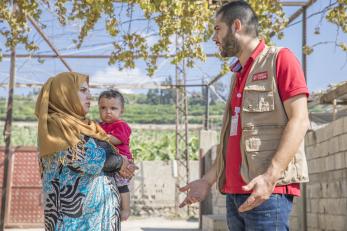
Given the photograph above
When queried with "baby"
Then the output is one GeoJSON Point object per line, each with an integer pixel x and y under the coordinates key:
{"type": "Point", "coordinates": [111, 108]}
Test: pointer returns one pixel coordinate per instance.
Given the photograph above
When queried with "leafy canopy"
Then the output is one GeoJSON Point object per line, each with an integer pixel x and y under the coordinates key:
{"type": "Point", "coordinates": [191, 20]}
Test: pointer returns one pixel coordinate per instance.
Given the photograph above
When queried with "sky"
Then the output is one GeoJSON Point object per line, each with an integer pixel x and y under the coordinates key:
{"type": "Point", "coordinates": [326, 65]}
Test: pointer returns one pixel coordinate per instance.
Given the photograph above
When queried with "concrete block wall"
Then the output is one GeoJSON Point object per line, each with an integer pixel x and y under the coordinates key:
{"type": "Point", "coordinates": [218, 200]}
{"type": "Point", "coordinates": [152, 189]}
{"type": "Point", "coordinates": [326, 193]}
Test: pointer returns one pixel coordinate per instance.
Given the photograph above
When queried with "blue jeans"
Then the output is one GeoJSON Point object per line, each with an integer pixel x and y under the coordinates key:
{"type": "Point", "coordinates": [271, 215]}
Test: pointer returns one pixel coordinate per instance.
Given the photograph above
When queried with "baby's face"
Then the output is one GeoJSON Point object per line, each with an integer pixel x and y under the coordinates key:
{"type": "Point", "coordinates": [110, 109]}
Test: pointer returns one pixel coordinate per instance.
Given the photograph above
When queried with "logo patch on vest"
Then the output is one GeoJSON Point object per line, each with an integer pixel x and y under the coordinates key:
{"type": "Point", "coordinates": [260, 76]}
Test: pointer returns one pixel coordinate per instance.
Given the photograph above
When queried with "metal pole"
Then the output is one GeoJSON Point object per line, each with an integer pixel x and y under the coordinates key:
{"type": "Point", "coordinates": [207, 104]}
{"type": "Point", "coordinates": [304, 42]}
{"type": "Point", "coordinates": [55, 50]}
{"type": "Point", "coordinates": [304, 67]}
{"type": "Point", "coordinates": [75, 56]}
{"type": "Point", "coordinates": [186, 152]}
{"type": "Point", "coordinates": [177, 154]}
{"type": "Point", "coordinates": [7, 138]}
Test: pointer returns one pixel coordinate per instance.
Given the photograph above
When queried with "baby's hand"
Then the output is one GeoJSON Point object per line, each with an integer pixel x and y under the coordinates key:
{"type": "Point", "coordinates": [128, 168]}
{"type": "Point", "coordinates": [132, 167]}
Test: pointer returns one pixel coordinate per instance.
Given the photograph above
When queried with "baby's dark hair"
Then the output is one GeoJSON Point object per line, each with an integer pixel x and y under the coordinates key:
{"type": "Point", "coordinates": [109, 94]}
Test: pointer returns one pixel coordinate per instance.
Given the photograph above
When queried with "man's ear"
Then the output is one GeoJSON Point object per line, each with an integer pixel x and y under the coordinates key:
{"type": "Point", "coordinates": [236, 26]}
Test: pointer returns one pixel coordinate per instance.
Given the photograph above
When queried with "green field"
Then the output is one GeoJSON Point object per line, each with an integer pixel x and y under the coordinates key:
{"type": "Point", "coordinates": [23, 110]}
{"type": "Point", "coordinates": [145, 144]}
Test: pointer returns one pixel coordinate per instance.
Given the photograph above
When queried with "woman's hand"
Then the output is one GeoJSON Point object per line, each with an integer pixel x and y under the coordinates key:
{"type": "Point", "coordinates": [128, 168]}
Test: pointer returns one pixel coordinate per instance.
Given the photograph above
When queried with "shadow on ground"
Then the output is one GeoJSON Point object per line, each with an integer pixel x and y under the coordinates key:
{"type": "Point", "coordinates": [168, 229]}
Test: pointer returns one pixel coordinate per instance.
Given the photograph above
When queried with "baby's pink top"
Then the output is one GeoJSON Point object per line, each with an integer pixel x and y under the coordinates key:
{"type": "Point", "coordinates": [121, 130]}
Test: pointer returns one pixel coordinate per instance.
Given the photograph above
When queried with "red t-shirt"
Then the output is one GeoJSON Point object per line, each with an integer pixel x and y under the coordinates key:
{"type": "Point", "coordinates": [121, 131]}
{"type": "Point", "coordinates": [290, 82]}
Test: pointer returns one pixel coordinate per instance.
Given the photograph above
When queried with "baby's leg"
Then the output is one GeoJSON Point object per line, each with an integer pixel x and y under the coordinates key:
{"type": "Point", "coordinates": [125, 206]}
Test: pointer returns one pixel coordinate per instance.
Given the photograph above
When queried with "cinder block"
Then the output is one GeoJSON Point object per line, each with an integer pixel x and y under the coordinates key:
{"type": "Point", "coordinates": [320, 134]}
{"type": "Point", "coordinates": [332, 189]}
{"type": "Point", "coordinates": [313, 229]}
{"type": "Point", "coordinates": [343, 142]}
{"type": "Point", "coordinates": [340, 161]}
{"type": "Point", "coordinates": [322, 149]}
{"type": "Point", "coordinates": [315, 205]}
{"type": "Point", "coordinates": [333, 145]}
{"type": "Point", "coordinates": [214, 222]}
{"type": "Point", "coordinates": [310, 138]}
{"type": "Point", "coordinates": [329, 161]}
{"type": "Point", "coordinates": [308, 205]}
{"type": "Point", "coordinates": [312, 220]}
{"type": "Point", "coordinates": [314, 190]}
{"type": "Point", "coordinates": [207, 139]}
{"type": "Point", "coordinates": [345, 124]}
{"type": "Point", "coordinates": [310, 152]}
{"type": "Point", "coordinates": [220, 211]}
{"type": "Point", "coordinates": [329, 132]}
{"type": "Point", "coordinates": [338, 127]}
{"type": "Point", "coordinates": [336, 206]}
{"type": "Point", "coordinates": [332, 222]}
{"type": "Point", "coordinates": [312, 166]}
{"type": "Point", "coordinates": [343, 183]}
{"type": "Point", "coordinates": [293, 223]}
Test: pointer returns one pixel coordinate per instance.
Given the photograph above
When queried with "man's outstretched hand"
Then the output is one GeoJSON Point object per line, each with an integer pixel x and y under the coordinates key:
{"type": "Point", "coordinates": [197, 191]}
{"type": "Point", "coordinates": [262, 188]}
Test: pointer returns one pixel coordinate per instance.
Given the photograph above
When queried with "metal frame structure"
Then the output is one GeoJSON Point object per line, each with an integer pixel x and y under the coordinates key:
{"type": "Point", "coordinates": [181, 97]}
{"type": "Point", "coordinates": [182, 155]}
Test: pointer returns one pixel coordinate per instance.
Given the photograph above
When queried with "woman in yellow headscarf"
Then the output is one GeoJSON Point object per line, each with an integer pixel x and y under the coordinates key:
{"type": "Point", "coordinates": [76, 159]}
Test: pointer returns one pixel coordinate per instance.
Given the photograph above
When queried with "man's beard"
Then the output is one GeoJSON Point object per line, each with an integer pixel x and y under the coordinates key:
{"type": "Point", "coordinates": [230, 46]}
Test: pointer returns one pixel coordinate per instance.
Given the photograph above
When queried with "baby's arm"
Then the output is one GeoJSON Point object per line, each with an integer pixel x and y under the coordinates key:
{"type": "Point", "coordinates": [114, 140]}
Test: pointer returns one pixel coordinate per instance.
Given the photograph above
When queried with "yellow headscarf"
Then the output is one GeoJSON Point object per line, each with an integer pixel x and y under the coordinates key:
{"type": "Point", "coordinates": [61, 118]}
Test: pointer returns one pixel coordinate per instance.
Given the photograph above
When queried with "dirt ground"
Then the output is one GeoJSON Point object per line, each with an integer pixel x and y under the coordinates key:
{"type": "Point", "coordinates": [148, 224]}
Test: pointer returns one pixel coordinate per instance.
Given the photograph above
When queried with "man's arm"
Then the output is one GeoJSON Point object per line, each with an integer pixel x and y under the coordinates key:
{"type": "Point", "coordinates": [199, 189]}
{"type": "Point", "coordinates": [293, 134]}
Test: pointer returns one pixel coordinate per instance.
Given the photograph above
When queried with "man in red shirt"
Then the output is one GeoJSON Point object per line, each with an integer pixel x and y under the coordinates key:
{"type": "Point", "coordinates": [261, 162]}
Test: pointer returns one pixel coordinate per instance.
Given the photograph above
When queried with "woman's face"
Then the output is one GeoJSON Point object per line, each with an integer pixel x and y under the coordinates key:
{"type": "Point", "coordinates": [85, 96]}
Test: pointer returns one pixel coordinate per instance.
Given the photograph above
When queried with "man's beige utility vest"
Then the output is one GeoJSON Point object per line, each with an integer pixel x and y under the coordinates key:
{"type": "Point", "coordinates": [263, 119]}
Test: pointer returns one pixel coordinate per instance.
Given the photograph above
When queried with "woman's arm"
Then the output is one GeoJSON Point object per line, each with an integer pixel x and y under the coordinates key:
{"type": "Point", "coordinates": [113, 161]}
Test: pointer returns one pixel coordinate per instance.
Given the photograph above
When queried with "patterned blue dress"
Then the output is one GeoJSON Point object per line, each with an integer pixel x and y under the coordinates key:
{"type": "Point", "coordinates": [78, 195]}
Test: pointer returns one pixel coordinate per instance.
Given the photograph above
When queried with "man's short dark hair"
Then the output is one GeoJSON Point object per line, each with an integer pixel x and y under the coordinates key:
{"type": "Point", "coordinates": [242, 11]}
{"type": "Point", "coordinates": [109, 94]}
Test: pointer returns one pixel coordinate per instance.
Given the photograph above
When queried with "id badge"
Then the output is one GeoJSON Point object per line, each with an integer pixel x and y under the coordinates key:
{"type": "Point", "coordinates": [234, 122]}
{"type": "Point", "coordinates": [233, 125]}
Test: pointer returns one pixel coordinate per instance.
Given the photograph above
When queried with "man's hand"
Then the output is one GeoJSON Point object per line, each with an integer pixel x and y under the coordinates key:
{"type": "Point", "coordinates": [128, 168]}
{"type": "Point", "coordinates": [197, 191]}
{"type": "Point", "coordinates": [262, 187]}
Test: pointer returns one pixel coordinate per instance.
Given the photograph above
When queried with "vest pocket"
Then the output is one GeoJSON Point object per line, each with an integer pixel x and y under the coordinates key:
{"type": "Point", "coordinates": [259, 97]}
{"type": "Point", "coordinates": [258, 154]}
{"type": "Point", "coordinates": [259, 148]}
{"type": "Point", "coordinates": [258, 162]}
